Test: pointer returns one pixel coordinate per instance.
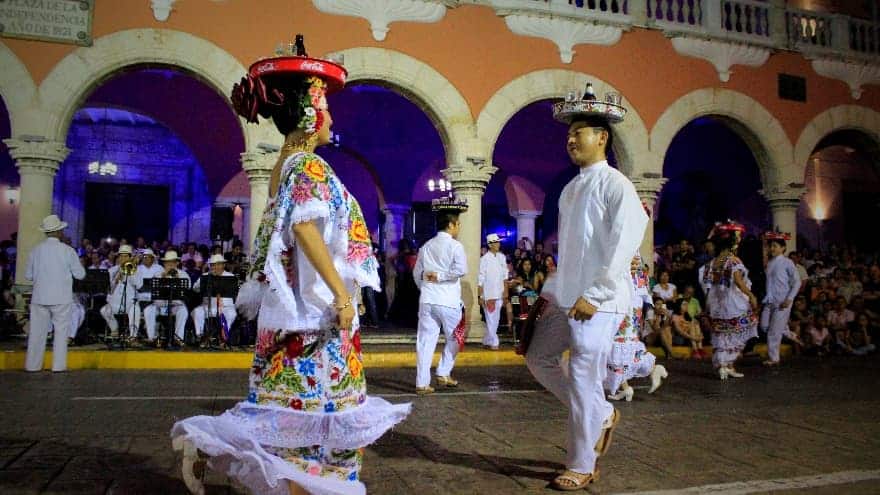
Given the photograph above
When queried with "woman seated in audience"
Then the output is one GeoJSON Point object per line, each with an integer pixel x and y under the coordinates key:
{"type": "Point", "coordinates": [658, 327]}
{"type": "Point", "coordinates": [818, 336]}
{"type": "Point", "coordinates": [664, 289]}
{"type": "Point", "coordinates": [686, 330]}
{"type": "Point", "coordinates": [548, 266]}
{"type": "Point", "coordinates": [525, 276]}
{"type": "Point", "coordinates": [840, 317]}
{"type": "Point", "coordinates": [859, 338]}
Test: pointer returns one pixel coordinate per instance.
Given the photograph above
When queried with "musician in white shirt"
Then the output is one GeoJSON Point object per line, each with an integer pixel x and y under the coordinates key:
{"type": "Point", "coordinates": [123, 295]}
{"type": "Point", "coordinates": [209, 305]}
{"type": "Point", "coordinates": [601, 225]}
{"type": "Point", "coordinates": [491, 288]}
{"type": "Point", "coordinates": [439, 267]}
{"type": "Point", "coordinates": [177, 308]}
{"type": "Point", "coordinates": [52, 266]}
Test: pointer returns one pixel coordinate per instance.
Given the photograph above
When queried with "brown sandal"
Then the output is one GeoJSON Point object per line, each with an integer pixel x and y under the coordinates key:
{"type": "Point", "coordinates": [604, 442]}
{"type": "Point", "coordinates": [570, 481]}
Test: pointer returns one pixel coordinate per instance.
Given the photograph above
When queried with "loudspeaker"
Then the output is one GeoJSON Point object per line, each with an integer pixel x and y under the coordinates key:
{"type": "Point", "coordinates": [221, 223]}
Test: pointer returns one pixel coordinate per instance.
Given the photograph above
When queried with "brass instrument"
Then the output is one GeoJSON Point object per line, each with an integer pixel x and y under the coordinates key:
{"type": "Point", "coordinates": [128, 268]}
{"type": "Point", "coordinates": [172, 273]}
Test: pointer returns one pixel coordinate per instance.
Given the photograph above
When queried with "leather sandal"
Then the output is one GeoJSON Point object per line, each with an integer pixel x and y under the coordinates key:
{"type": "Point", "coordinates": [447, 381]}
{"type": "Point", "coordinates": [604, 442]}
{"type": "Point", "coordinates": [570, 481]}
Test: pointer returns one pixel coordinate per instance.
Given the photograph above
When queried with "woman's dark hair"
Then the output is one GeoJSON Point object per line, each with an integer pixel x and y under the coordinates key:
{"type": "Point", "coordinates": [681, 303]}
{"type": "Point", "coordinates": [724, 240]}
{"type": "Point", "coordinates": [284, 104]}
{"type": "Point", "coordinates": [520, 269]}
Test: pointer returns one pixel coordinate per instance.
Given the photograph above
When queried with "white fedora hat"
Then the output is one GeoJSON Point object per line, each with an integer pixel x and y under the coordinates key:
{"type": "Point", "coordinates": [52, 224]}
{"type": "Point", "coordinates": [125, 249]}
{"type": "Point", "coordinates": [148, 252]}
{"type": "Point", "coordinates": [170, 255]}
{"type": "Point", "coordinates": [216, 258]}
{"type": "Point", "coordinates": [492, 238]}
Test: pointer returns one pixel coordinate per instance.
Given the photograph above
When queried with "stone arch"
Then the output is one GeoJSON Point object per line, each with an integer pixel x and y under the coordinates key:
{"type": "Point", "coordinates": [760, 130]}
{"type": "Point", "coordinates": [841, 117]}
{"type": "Point", "coordinates": [16, 87]}
{"type": "Point", "coordinates": [422, 84]}
{"type": "Point", "coordinates": [632, 138]}
{"type": "Point", "coordinates": [79, 73]}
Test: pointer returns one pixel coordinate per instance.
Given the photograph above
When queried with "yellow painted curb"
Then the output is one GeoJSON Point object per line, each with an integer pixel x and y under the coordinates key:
{"type": "Point", "coordinates": [145, 360]}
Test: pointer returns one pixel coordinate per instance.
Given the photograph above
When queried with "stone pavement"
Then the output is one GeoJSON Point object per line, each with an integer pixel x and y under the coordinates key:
{"type": "Point", "coordinates": [498, 434]}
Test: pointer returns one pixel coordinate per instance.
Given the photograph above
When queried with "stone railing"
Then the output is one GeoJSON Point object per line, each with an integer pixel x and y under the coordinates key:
{"type": "Point", "coordinates": [754, 22]}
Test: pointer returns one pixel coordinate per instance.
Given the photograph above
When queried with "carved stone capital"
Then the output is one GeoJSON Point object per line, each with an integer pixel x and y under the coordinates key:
{"type": "Point", "coordinates": [784, 197]}
{"type": "Point", "coordinates": [381, 13]}
{"type": "Point", "coordinates": [470, 178]}
{"type": "Point", "coordinates": [721, 54]}
{"type": "Point", "coordinates": [37, 157]}
{"type": "Point", "coordinates": [258, 165]}
{"type": "Point", "coordinates": [648, 188]}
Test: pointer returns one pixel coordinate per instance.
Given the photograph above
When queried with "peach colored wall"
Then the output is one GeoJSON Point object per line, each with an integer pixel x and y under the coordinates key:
{"type": "Point", "coordinates": [473, 48]}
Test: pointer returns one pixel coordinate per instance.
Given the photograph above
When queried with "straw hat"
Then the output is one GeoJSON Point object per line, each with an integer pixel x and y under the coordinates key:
{"type": "Point", "coordinates": [52, 224]}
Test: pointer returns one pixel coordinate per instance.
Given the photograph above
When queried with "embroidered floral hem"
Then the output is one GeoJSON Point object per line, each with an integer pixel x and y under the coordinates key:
{"type": "Point", "coordinates": [729, 337]}
{"type": "Point", "coordinates": [626, 361]}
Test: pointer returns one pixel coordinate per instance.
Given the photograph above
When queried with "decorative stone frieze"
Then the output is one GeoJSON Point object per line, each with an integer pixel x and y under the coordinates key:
{"type": "Point", "coordinates": [721, 54]}
{"type": "Point", "coordinates": [381, 13]}
{"type": "Point", "coordinates": [854, 74]}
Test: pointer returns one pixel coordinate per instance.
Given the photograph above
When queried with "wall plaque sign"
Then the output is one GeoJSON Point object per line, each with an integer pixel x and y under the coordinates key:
{"type": "Point", "coordinates": [57, 21]}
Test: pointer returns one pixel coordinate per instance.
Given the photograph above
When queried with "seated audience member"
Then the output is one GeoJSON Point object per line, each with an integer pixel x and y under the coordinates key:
{"type": "Point", "coordinates": [657, 328]}
{"type": "Point", "coordinates": [840, 317]}
{"type": "Point", "coordinates": [859, 338]}
{"type": "Point", "coordinates": [664, 289]}
{"type": "Point", "coordinates": [818, 337]}
{"type": "Point", "coordinates": [686, 330]}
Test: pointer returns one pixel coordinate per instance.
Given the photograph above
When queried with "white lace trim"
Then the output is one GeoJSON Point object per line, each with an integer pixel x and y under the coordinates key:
{"type": "Point", "coordinates": [242, 458]}
{"type": "Point", "coordinates": [624, 354]}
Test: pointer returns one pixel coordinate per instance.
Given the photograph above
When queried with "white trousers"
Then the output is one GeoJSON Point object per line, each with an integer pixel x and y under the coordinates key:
{"type": "Point", "coordinates": [178, 309]}
{"type": "Point", "coordinates": [134, 316]}
{"type": "Point", "coordinates": [200, 314]}
{"type": "Point", "coordinates": [580, 389]}
{"type": "Point", "coordinates": [774, 321]}
{"type": "Point", "coordinates": [492, 318]}
{"type": "Point", "coordinates": [432, 318]}
{"type": "Point", "coordinates": [44, 317]}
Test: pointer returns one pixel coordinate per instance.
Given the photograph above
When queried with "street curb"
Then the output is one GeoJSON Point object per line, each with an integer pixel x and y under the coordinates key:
{"type": "Point", "coordinates": [162, 360]}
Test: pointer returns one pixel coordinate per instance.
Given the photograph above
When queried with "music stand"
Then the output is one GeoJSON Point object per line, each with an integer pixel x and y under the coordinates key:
{"type": "Point", "coordinates": [168, 290]}
{"type": "Point", "coordinates": [211, 287]}
{"type": "Point", "coordinates": [95, 282]}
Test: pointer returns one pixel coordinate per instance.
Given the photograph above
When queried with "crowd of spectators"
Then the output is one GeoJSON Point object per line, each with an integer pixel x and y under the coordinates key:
{"type": "Point", "coordinates": [837, 310]}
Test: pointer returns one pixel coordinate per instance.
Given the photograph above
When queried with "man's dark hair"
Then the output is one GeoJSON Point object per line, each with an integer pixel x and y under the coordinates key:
{"type": "Point", "coordinates": [780, 242]}
{"type": "Point", "coordinates": [598, 122]}
{"type": "Point", "coordinates": [445, 219]}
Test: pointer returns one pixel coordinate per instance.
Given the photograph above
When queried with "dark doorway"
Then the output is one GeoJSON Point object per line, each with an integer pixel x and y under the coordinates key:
{"type": "Point", "coordinates": [126, 210]}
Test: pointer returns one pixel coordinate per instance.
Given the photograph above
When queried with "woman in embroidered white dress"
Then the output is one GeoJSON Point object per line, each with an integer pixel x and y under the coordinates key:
{"type": "Point", "coordinates": [732, 306]}
{"type": "Point", "coordinates": [629, 358]}
{"type": "Point", "coordinates": [307, 417]}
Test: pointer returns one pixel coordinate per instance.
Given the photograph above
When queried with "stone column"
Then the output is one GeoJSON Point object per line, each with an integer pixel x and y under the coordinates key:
{"type": "Point", "coordinates": [469, 183]}
{"type": "Point", "coordinates": [37, 160]}
{"type": "Point", "coordinates": [784, 202]}
{"type": "Point", "coordinates": [395, 220]}
{"type": "Point", "coordinates": [525, 224]}
{"type": "Point", "coordinates": [258, 166]}
{"type": "Point", "coordinates": [649, 189]}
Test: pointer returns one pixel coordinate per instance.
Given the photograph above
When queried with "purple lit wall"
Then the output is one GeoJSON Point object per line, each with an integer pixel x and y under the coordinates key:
{"type": "Point", "coordinates": [712, 176]}
{"type": "Point", "coordinates": [195, 112]}
{"type": "Point", "coordinates": [144, 152]}
{"type": "Point", "coordinates": [394, 138]}
{"type": "Point", "coordinates": [8, 178]}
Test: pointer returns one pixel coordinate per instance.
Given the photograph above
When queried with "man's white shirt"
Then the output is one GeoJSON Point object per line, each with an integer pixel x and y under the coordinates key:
{"type": "Point", "coordinates": [493, 272]}
{"type": "Point", "coordinates": [445, 256]}
{"type": "Point", "coordinates": [52, 266]}
{"type": "Point", "coordinates": [601, 224]}
{"type": "Point", "coordinates": [783, 281]}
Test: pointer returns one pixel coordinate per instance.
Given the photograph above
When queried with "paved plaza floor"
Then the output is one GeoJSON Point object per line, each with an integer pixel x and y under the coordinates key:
{"type": "Point", "coordinates": [810, 427]}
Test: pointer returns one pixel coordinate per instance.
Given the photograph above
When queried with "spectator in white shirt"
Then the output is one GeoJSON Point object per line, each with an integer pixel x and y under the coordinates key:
{"type": "Point", "coordinates": [664, 289]}
{"type": "Point", "coordinates": [51, 266]}
{"type": "Point", "coordinates": [491, 288]}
